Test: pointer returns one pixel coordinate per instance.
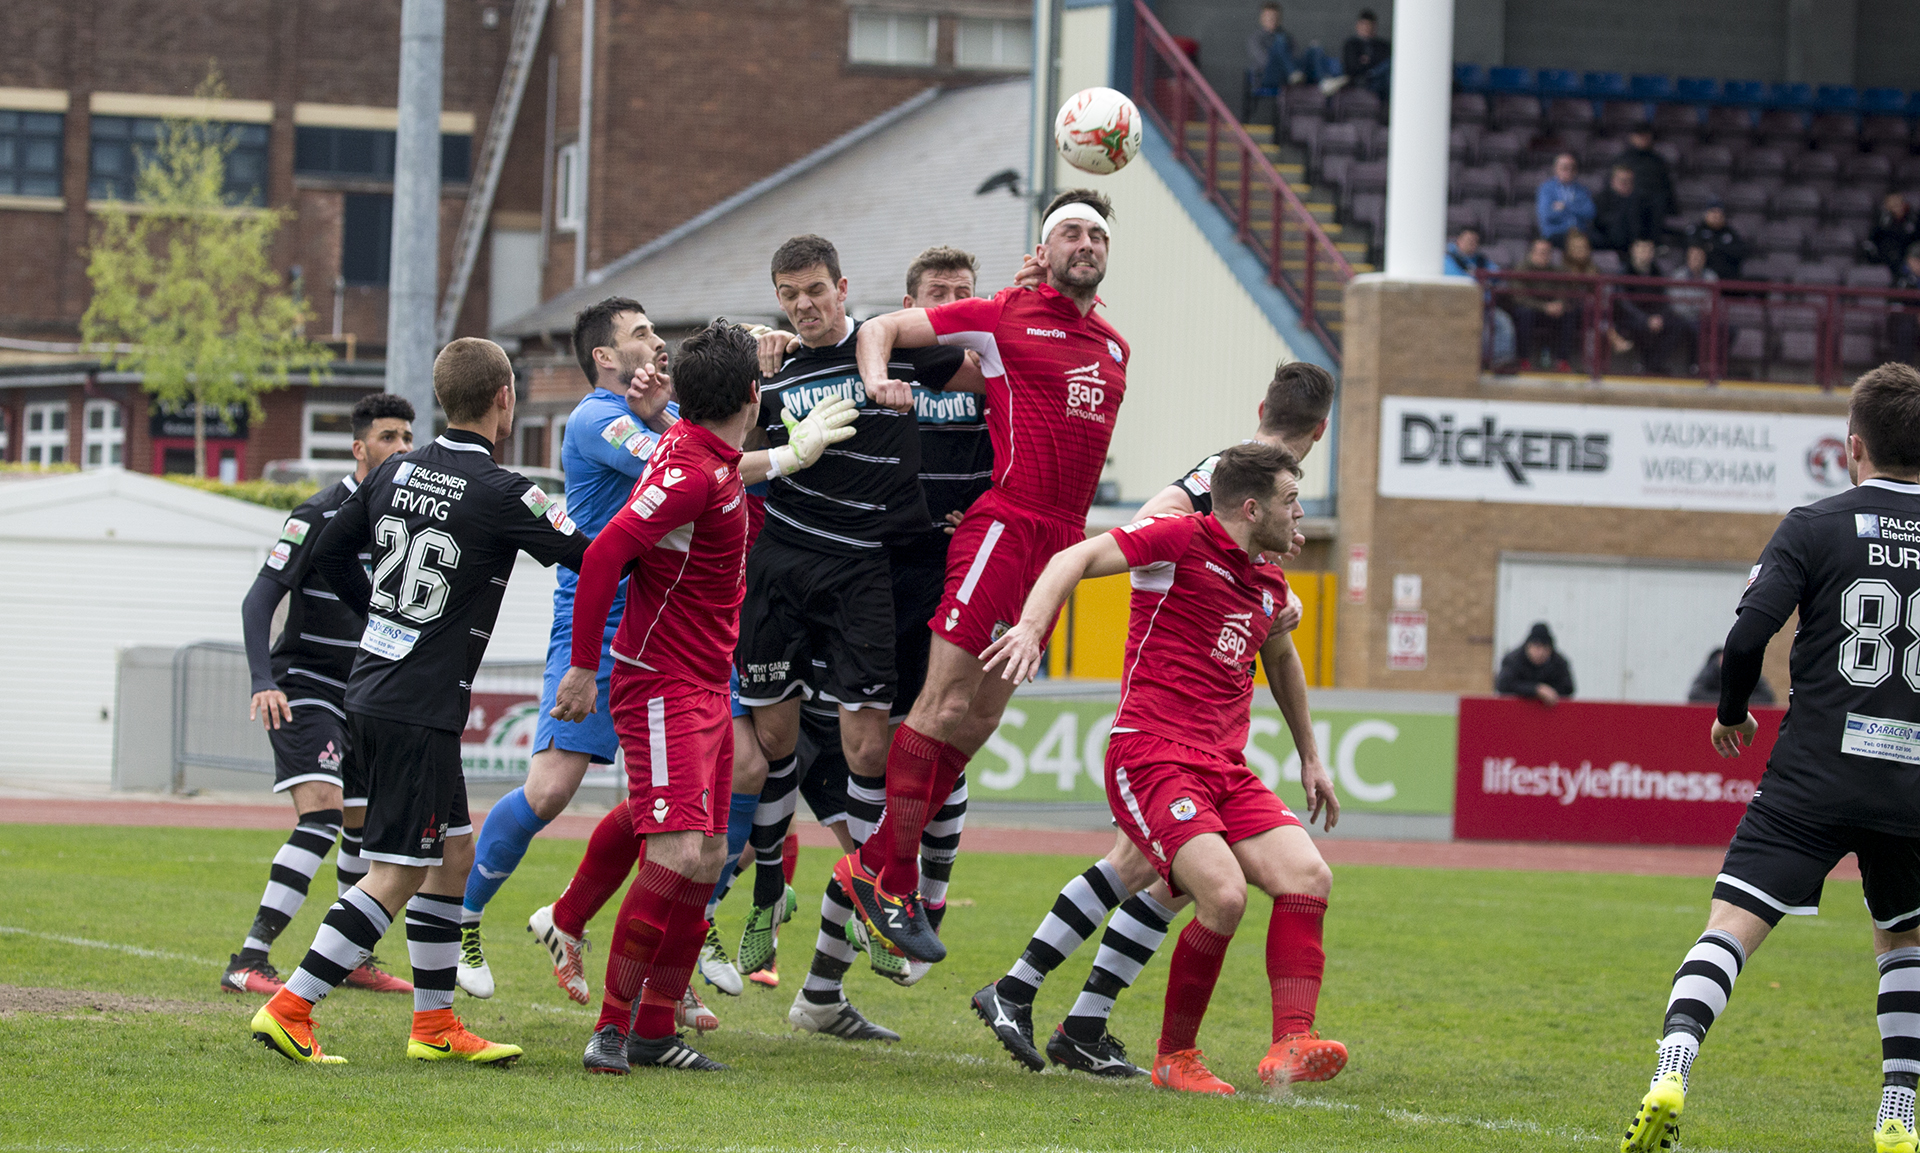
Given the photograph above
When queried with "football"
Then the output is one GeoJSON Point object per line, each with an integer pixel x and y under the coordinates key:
{"type": "Point", "coordinates": [1097, 131]}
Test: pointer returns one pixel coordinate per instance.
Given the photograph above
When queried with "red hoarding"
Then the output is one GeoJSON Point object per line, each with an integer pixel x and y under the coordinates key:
{"type": "Point", "coordinates": [1593, 772]}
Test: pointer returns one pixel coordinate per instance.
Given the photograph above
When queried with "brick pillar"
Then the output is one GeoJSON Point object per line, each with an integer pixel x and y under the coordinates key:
{"type": "Point", "coordinates": [1419, 336]}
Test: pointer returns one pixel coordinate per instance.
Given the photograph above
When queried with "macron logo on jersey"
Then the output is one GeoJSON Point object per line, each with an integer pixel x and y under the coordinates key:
{"type": "Point", "coordinates": [1055, 333]}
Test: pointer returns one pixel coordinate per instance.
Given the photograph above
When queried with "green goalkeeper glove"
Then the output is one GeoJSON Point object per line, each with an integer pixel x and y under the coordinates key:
{"type": "Point", "coordinates": [829, 423]}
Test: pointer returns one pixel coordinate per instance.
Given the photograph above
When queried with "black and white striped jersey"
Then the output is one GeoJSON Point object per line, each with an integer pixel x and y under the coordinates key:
{"type": "Point", "coordinates": [1850, 743]}
{"type": "Point", "coordinates": [864, 494]}
{"type": "Point", "coordinates": [316, 646]}
{"type": "Point", "coordinates": [956, 459]}
{"type": "Point", "coordinates": [444, 522]}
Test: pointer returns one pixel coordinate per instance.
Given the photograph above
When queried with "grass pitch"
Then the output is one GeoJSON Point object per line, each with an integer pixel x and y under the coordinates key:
{"type": "Point", "coordinates": [1484, 1011]}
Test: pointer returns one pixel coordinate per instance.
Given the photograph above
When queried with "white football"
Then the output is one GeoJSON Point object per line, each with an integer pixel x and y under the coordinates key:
{"type": "Point", "coordinates": [1097, 131]}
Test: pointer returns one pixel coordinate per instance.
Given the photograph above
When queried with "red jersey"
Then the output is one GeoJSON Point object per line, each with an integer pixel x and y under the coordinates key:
{"type": "Point", "coordinates": [684, 531]}
{"type": "Point", "coordinates": [1055, 380]}
{"type": "Point", "coordinates": [1201, 610]}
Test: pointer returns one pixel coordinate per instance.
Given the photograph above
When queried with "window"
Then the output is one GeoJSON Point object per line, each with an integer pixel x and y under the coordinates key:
{"type": "Point", "coordinates": [30, 153]}
{"type": "Point", "coordinates": [328, 432]}
{"type": "Point", "coordinates": [993, 43]}
{"type": "Point", "coordinates": [367, 154]}
{"type": "Point", "coordinates": [569, 192]}
{"type": "Point", "coordinates": [121, 143]}
{"type": "Point", "coordinates": [102, 437]}
{"type": "Point", "coordinates": [366, 237]}
{"type": "Point", "coordinates": [891, 38]}
{"type": "Point", "coordinates": [46, 434]}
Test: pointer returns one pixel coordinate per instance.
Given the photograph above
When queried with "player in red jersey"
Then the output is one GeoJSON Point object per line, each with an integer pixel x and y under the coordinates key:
{"type": "Point", "coordinates": [684, 537]}
{"type": "Point", "coordinates": [1055, 375]}
{"type": "Point", "coordinates": [1204, 600]}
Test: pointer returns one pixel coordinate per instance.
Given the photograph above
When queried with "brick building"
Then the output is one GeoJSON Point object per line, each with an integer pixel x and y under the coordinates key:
{"type": "Point", "coordinates": [690, 102]}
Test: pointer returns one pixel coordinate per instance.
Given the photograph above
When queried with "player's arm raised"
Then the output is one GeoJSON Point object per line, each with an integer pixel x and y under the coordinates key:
{"type": "Point", "coordinates": [1287, 680]}
{"type": "Point", "coordinates": [873, 348]}
{"type": "Point", "coordinates": [1021, 647]}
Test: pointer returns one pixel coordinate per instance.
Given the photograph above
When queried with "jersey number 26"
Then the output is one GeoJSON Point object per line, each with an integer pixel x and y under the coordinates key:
{"type": "Point", "coordinates": [423, 584]}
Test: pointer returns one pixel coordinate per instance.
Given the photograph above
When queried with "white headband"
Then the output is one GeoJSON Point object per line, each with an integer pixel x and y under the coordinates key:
{"type": "Point", "coordinates": [1075, 211]}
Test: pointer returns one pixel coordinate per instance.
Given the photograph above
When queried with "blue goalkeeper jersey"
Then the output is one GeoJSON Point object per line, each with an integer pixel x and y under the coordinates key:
{"type": "Point", "coordinates": [603, 452]}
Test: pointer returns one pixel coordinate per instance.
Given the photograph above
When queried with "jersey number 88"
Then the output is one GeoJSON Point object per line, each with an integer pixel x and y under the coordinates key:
{"type": "Point", "coordinates": [1870, 610]}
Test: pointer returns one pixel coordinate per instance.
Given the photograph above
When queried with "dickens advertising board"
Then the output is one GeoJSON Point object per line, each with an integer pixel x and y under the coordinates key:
{"type": "Point", "coordinates": [1438, 448]}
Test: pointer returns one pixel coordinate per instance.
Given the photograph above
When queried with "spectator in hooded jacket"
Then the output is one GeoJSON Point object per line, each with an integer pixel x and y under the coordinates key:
{"type": "Point", "coordinates": [1895, 228]}
{"type": "Point", "coordinates": [1562, 203]}
{"type": "Point", "coordinates": [1624, 214]}
{"type": "Point", "coordinates": [1365, 58]}
{"type": "Point", "coordinates": [1652, 175]}
{"type": "Point", "coordinates": [1705, 689]}
{"type": "Point", "coordinates": [1535, 669]}
{"type": "Point", "coordinates": [1726, 249]}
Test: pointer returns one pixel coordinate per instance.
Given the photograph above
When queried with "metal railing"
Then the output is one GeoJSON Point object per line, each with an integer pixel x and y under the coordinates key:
{"type": "Point", "coordinates": [1269, 217]}
{"type": "Point", "coordinates": [1744, 330]}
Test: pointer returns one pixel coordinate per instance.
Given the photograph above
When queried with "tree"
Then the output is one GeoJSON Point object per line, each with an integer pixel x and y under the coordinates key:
{"type": "Point", "coordinates": [184, 289]}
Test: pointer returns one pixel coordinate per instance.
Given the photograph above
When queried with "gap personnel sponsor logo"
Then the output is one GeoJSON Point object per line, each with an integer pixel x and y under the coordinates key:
{"type": "Point", "coordinates": [800, 399]}
{"type": "Point", "coordinates": [945, 407]}
{"type": "Point", "coordinates": [1620, 781]}
{"type": "Point", "coordinates": [1085, 392]}
{"type": "Point", "coordinates": [1424, 440]}
{"type": "Point", "coordinates": [1236, 635]}
{"type": "Point", "coordinates": [1883, 527]}
{"type": "Point", "coordinates": [649, 501]}
{"type": "Point", "coordinates": [1053, 333]}
{"type": "Point", "coordinates": [407, 500]}
{"type": "Point", "coordinates": [416, 476]}
{"type": "Point", "coordinates": [1891, 556]}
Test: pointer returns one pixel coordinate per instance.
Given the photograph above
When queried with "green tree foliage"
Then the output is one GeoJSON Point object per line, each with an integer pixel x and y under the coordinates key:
{"type": "Point", "coordinates": [184, 288]}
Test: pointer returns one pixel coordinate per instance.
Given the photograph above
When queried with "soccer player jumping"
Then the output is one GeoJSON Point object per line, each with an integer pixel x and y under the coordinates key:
{"type": "Point", "coordinates": [684, 535]}
{"type": "Point", "coordinates": [1204, 602]}
{"type": "Point", "coordinates": [1840, 779]}
{"type": "Point", "coordinates": [1055, 376]}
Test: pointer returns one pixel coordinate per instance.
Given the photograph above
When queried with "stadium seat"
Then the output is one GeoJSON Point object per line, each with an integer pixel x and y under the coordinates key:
{"type": "Point", "coordinates": [1373, 139]}
{"type": "Point", "coordinates": [1335, 170]}
{"type": "Point", "coordinates": [1334, 140]}
{"type": "Point", "coordinates": [1747, 196]}
{"type": "Point", "coordinates": [1883, 101]}
{"type": "Point", "coordinates": [1469, 108]}
{"type": "Point", "coordinates": [1508, 253]}
{"type": "Point", "coordinates": [1866, 168]}
{"type": "Point", "coordinates": [1504, 147]}
{"type": "Point", "coordinates": [1790, 95]}
{"type": "Point", "coordinates": [1505, 78]}
{"type": "Point", "coordinates": [1746, 221]}
{"type": "Point", "coordinates": [1463, 142]}
{"type": "Point", "coordinates": [1813, 166]}
{"type": "Point", "coordinates": [1511, 222]}
{"type": "Point", "coordinates": [1368, 176]}
{"type": "Point", "coordinates": [1708, 160]}
{"type": "Point", "coordinates": [1835, 130]}
{"type": "Point", "coordinates": [1607, 262]}
{"type": "Point", "coordinates": [1747, 93]}
{"type": "Point", "coordinates": [1875, 129]}
{"type": "Point", "coordinates": [1550, 82]}
{"type": "Point", "coordinates": [1894, 150]}
{"type": "Point", "coordinates": [1515, 110]}
{"type": "Point", "coordinates": [1474, 212]}
{"type": "Point", "coordinates": [1695, 193]}
{"type": "Point", "coordinates": [1621, 115]}
{"type": "Point", "coordinates": [1782, 236]}
{"type": "Point", "coordinates": [1469, 78]}
{"type": "Point", "coordinates": [1727, 123]}
{"type": "Point", "coordinates": [1668, 150]}
{"type": "Point", "coordinates": [1818, 272]}
{"type": "Point", "coordinates": [1599, 151]}
{"type": "Point", "coordinates": [1570, 112]}
{"type": "Point", "coordinates": [1354, 103]}
{"type": "Point", "coordinates": [1869, 276]}
{"type": "Point", "coordinates": [1852, 202]}
{"type": "Point", "coordinates": [1370, 209]}
{"type": "Point", "coordinates": [1604, 85]}
{"type": "Point", "coordinates": [1650, 87]}
{"type": "Point", "coordinates": [1697, 89]}
{"type": "Point", "coordinates": [1837, 98]}
{"type": "Point", "coordinates": [1761, 162]}
{"type": "Point", "coordinates": [1303, 100]}
{"type": "Point", "coordinates": [1491, 182]}
{"type": "Point", "coordinates": [1675, 121]}
{"type": "Point", "coordinates": [1835, 240]}
{"type": "Point", "coordinates": [1906, 173]}
{"type": "Point", "coordinates": [1801, 202]}
{"type": "Point", "coordinates": [1858, 350]}
{"type": "Point", "coordinates": [1304, 129]}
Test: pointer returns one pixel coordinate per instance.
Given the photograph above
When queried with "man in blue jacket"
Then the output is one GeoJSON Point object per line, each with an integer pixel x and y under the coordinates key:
{"type": "Point", "coordinates": [1562, 203]}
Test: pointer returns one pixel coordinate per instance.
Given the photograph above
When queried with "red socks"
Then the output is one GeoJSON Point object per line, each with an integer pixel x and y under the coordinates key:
{"type": "Point", "coordinates": [648, 947]}
{"type": "Point", "coordinates": [1296, 961]}
{"type": "Point", "coordinates": [790, 856]}
{"type": "Point", "coordinates": [1190, 980]}
{"type": "Point", "coordinates": [893, 850]}
{"type": "Point", "coordinates": [611, 853]}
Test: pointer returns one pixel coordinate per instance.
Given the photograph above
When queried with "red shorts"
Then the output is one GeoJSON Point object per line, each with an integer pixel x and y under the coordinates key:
{"type": "Point", "coordinates": [678, 741]}
{"type": "Point", "coordinates": [995, 558]}
{"type": "Point", "coordinates": [1164, 794]}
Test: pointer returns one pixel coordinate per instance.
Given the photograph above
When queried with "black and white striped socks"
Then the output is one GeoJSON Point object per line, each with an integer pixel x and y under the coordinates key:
{"type": "Point", "coordinates": [289, 877]}
{"type": "Point", "coordinates": [1701, 987]}
{"type": "Point", "coordinates": [1083, 903]}
{"type": "Point", "coordinates": [778, 798]}
{"type": "Point", "coordinates": [832, 956]}
{"type": "Point", "coordinates": [1132, 936]}
{"type": "Point", "coordinates": [433, 946]}
{"type": "Point", "coordinates": [1899, 1016]}
{"type": "Point", "coordinates": [353, 927]}
{"type": "Point", "coordinates": [350, 868]}
{"type": "Point", "coordinates": [940, 846]}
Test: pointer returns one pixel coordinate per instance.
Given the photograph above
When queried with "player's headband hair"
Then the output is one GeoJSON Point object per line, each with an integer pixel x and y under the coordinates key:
{"type": "Point", "coordinates": [1075, 211]}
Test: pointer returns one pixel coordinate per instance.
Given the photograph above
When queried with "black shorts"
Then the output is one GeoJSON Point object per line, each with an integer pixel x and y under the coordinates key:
{"type": "Point", "coordinates": [1778, 863]}
{"type": "Point", "coordinates": [823, 764]}
{"type": "Point", "coordinates": [918, 585]}
{"type": "Point", "coordinates": [314, 746]}
{"type": "Point", "coordinates": [416, 792]}
{"type": "Point", "coordinates": [801, 604]}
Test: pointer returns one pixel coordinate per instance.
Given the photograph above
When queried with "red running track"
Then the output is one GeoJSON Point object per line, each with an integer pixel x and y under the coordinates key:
{"type": "Point", "coordinates": [1639, 860]}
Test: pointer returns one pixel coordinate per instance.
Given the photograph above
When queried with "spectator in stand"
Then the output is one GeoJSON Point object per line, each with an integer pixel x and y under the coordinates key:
{"type": "Point", "coordinates": [1642, 317]}
{"type": "Point", "coordinates": [1546, 313]}
{"type": "Point", "coordinates": [1562, 203]}
{"type": "Point", "coordinates": [1623, 213]}
{"type": "Point", "coordinates": [1651, 173]}
{"type": "Point", "coordinates": [1726, 249]}
{"type": "Point", "coordinates": [1895, 228]}
{"type": "Point", "coordinates": [1576, 255]}
{"type": "Point", "coordinates": [1279, 64]}
{"type": "Point", "coordinates": [1903, 317]}
{"type": "Point", "coordinates": [1363, 59]}
{"type": "Point", "coordinates": [1686, 305]}
{"type": "Point", "coordinates": [1464, 258]}
{"type": "Point", "coordinates": [1706, 684]}
{"type": "Point", "coordinates": [1535, 670]}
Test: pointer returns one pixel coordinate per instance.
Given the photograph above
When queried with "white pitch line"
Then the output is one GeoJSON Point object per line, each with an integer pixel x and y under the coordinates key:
{"type": "Point", "coordinates": [157, 954]}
